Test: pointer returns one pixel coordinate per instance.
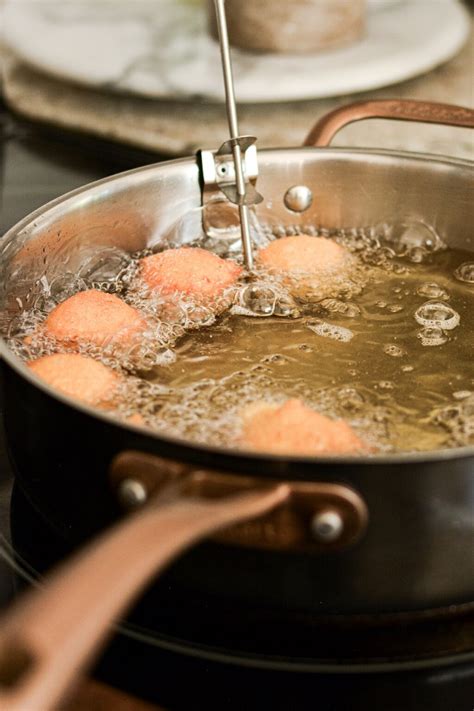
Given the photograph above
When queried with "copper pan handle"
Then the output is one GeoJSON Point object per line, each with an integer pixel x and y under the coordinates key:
{"type": "Point", "coordinates": [398, 109]}
{"type": "Point", "coordinates": [54, 633]}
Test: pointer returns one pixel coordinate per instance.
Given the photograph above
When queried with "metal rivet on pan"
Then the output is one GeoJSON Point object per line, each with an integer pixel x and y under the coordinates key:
{"type": "Point", "coordinates": [327, 525]}
{"type": "Point", "coordinates": [131, 493]}
{"type": "Point", "coordinates": [298, 198]}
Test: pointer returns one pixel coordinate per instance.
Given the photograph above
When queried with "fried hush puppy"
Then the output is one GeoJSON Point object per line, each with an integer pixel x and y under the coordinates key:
{"type": "Point", "coordinates": [191, 271]}
{"type": "Point", "coordinates": [78, 376]}
{"type": "Point", "coordinates": [84, 379]}
{"type": "Point", "coordinates": [94, 317]}
{"type": "Point", "coordinates": [293, 428]}
{"type": "Point", "coordinates": [309, 266]}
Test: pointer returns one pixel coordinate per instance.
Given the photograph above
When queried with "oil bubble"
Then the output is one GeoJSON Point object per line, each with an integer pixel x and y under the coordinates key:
{"type": "Point", "coordinates": [264, 300]}
{"type": "Point", "coordinates": [435, 314]}
{"type": "Point", "coordinates": [413, 239]}
{"type": "Point", "coordinates": [259, 299]}
{"type": "Point", "coordinates": [432, 336]}
{"type": "Point", "coordinates": [260, 369]}
{"type": "Point", "coordinates": [197, 316]}
{"type": "Point", "coordinates": [432, 291]}
{"type": "Point", "coordinates": [276, 358]}
{"type": "Point", "coordinates": [350, 399]}
{"type": "Point", "coordinates": [386, 385]}
{"type": "Point", "coordinates": [458, 420]}
{"type": "Point", "coordinates": [416, 255]}
{"type": "Point", "coordinates": [103, 267]}
{"type": "Point", "coordinates": [393, 350]}
{"type": "Point", "coordinates": [329, 330]}
{"type": "Point", "coordinates": [335, 306]}
{"type": "Point", "coordinates": [465, 273]}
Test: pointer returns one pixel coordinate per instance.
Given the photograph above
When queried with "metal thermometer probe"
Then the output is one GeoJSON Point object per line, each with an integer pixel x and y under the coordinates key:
{"type": "Point", "coordinates": [234, 132]}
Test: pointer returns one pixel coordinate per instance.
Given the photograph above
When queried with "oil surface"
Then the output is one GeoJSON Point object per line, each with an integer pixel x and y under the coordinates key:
{"type": "Point", "coordinates": [388, 345]}
{"type": "Point", "coordinates": [403, 385]}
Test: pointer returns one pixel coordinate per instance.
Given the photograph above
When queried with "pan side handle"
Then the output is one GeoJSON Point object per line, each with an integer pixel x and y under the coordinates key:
{"type": "Point", "coordinates": [398, 109]}
{"type": "Point", "coordinates": [54, 633]}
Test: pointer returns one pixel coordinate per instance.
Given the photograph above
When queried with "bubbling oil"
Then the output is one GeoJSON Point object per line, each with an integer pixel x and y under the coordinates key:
{"type": "Point", "coordinates": [387, 346]}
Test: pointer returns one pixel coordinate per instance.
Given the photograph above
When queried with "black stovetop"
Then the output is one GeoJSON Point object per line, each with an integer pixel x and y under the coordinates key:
{"type": "Point", "coordinates": [36, 165]}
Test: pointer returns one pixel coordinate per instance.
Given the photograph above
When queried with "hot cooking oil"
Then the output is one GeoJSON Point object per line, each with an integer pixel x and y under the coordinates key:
{"type": "Point", "coordinates": [396, 361]}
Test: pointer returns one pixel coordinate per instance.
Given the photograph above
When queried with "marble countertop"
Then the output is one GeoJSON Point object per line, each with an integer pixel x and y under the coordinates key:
{"type": "Point", "coordinates": [173, 128]}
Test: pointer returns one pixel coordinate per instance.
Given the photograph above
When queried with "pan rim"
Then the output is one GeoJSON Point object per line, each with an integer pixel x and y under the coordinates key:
{"type": "Point", "coordinates": [348, 151]}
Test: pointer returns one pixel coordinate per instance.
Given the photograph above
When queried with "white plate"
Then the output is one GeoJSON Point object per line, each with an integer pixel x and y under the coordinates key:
{"type": "Point", "coordinates": [161, 49]}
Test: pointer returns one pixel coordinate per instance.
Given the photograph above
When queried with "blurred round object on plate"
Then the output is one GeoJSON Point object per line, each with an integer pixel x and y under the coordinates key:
{"type": "Point", "coordinates": [162, 49]}
{"type": "Point", "coordinates": [295, 27]}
